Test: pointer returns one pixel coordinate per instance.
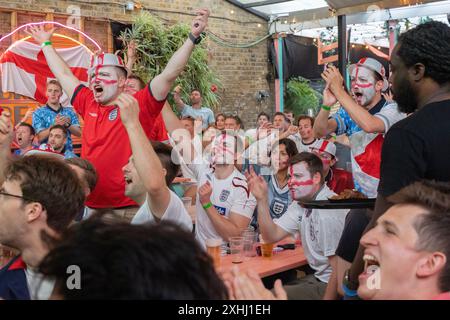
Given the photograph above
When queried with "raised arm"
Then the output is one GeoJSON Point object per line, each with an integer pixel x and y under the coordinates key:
{"type": "Point", "coordinates": [145, 159]}
{"type": "Point", "coordinates": [225, 227]}
{"type": "Point", "coordinates": [162, 83]}
{"type": "Point", "coordinates": [360, 115]}
{"type": "Point", "coordinates": [177, 97]}
{"type": "Point", "coordinates": [258, 187]}
{"type": "Point", "coordinates": [131, 56]}
{"type": "Point", "coordinates": [6, 137]}
{"type": "Point", "coordinates": [56, 64]}
{"type": "Point", "coordinates": [322, 125]}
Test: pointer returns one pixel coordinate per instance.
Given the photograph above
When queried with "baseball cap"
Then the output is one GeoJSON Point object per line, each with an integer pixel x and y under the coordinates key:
{"type": "Point", "coordinates": [106, 59]}
{"type": "Point", "coordinates": [326, 146]}
{"type": "Point", "coordinates": [373, 65]}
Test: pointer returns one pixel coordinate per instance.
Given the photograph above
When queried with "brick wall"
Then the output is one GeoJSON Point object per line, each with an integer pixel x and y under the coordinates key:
{"type": "Point", "coordinates": [242, 71]}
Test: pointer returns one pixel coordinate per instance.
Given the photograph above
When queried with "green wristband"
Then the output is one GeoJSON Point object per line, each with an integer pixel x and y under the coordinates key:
{"type": "Point", "coordinates": [46, 43]}
{"type": "Point", "coordinates": [327, 108]}
{"type": "Point", "coordinates": [207, 206]}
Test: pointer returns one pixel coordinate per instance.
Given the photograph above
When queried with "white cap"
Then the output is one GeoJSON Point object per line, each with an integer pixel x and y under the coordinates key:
{"type": "Point", "coordinates": [106, 59]}
{"type": "Point", "coordinates": [373, 65]}
{"type": "Point", "coordinates": [327, 146]}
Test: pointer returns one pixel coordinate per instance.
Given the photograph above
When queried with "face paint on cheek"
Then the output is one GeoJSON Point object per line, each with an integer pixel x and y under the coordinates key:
{"type": "Point", "coordinates": [299, 188]}
{"type": "Point", "coordinates": [221, 153]}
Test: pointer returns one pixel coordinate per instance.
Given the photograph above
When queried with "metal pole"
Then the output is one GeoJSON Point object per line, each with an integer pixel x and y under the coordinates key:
{"type": "Point", "coordinates": [342, 45]}
{"type": "Point", "coordinates": [280, 71]}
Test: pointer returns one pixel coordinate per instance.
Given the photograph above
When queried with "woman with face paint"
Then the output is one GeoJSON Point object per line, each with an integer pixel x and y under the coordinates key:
{"type": "Point", "coordinates": [320, 230]}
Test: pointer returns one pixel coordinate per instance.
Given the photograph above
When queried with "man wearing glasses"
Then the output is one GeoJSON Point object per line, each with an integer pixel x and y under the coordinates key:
{"type": "Point", "coordinates": [39, 198]}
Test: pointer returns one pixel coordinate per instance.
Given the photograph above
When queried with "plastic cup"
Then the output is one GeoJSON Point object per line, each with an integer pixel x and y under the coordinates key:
{"type": "Point", "coordinates": [266, 248]}
{"type": "Point", "coordinates": [237, 249]}
{"type": "Point", "coordinates": [249, 243]}
{"type": "Point", "coordinates": [187, 201]}
{"type": "Point", "coordinates": [213, 248]}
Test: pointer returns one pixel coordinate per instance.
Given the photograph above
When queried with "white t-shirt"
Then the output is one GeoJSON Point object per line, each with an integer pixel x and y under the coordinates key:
{"type": "Point", "coordinates": [175, 212]}
{"type": "Point", "coordinates": [39, 287]}
{"type": "Point", "coordinates": [302, 147]}
{"type": "Point", "coordinates": [320, 232]}
{"type": "Point", "coordinates": [228, 195]}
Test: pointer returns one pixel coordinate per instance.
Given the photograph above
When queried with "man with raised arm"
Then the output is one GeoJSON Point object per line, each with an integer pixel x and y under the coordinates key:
{"type": "Point", "coordinates": [105, 141]}
{"type": "Point", "coordinates": [149, 172]}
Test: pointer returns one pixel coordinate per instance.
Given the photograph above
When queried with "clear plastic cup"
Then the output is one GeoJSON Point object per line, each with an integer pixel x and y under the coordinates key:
{"type": "Point", "coordinates": [237, 249]}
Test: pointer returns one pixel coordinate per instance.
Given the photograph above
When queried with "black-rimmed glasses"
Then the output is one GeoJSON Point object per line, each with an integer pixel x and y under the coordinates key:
{"type": "Point", "coordinates": [14, 195]}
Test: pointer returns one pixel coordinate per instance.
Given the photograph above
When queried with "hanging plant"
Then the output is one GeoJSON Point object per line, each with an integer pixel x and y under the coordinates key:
{"type": "Point", "coordinates": [155, 45]}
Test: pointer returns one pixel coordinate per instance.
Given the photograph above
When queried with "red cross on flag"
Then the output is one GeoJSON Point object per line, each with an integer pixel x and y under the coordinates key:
{"type": "Point", "coordinates": [24, 69]}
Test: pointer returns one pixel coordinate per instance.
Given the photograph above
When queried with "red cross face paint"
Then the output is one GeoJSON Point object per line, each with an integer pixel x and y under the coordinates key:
{"type": "Point", "coordinates": [326, 159]}
{"type": "Point", "coordinates": [363, 85]}
{"type": "Point", "coordinates": [104, 83]}
{"type": "Point", "coordinates": [223, 149]}
{"type": "Point", "coordinates": [301, 185]}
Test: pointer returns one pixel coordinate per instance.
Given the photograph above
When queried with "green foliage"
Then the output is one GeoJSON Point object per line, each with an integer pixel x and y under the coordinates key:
{"type": "Point", "coordinates": [300, 96]}
{"type": "Point", "coordinates": [155, 45]}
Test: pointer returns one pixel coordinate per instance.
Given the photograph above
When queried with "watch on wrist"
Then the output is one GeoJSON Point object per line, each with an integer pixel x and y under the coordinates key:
{"type": "Point", "coordinates": [195, 40]}
{"type": "Point", "coordinates": [66, 125]}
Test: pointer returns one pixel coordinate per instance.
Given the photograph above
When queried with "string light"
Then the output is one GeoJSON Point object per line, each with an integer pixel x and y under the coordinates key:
{"type": "Point", "coordinates": [232, 11]}
{"type": "Point", "coordinates": [353, 45]}
{"type": "Point", "coordinates": [259, 25]}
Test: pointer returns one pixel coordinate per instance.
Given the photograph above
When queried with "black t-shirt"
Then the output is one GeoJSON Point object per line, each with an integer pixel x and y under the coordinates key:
{"type": "Point", "coordinates": [416, 148]}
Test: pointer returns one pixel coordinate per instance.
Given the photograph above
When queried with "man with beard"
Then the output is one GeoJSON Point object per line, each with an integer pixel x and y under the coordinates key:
{"type": "Point", "coordinates": [364, 119]}
{"type": "Point", "coordinates": [24, 137]}
{"type": "Point", "coordinates": [105, 141]}
{"type": "Point", "coordinates": [415, 148]}
{"type": "Point", "coordinates": [196, 110]}
{"type": "Point", "coordinates": [57, 142]}
{"type": "Point", "coordinates": [320, 229]}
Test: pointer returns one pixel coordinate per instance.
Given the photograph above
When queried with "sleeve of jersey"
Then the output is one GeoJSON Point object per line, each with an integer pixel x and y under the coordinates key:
{"type": "Point", "coordinates": [80, 98]}
{"type": "Point", "coordinates": [289, 221]}
{"type": "Point", "coordinates": [38, 122]}
{"type": "Point", "coordinates": [390, 115]}
{"type": "Point", "coordinates": [244, 204]}
{"type": "Point", "coordinates": [176, 212]}
{"type": "Point", "coordinates": [148, 103]}
{"type": "Point", "coordinates": [339, 117]}
{"type": "Point", "coordinates": [403, 161]}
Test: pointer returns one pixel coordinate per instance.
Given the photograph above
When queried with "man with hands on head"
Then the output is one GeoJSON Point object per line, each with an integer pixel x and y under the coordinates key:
{"type": "Point", "coordinates": [148, 173]}
{"type": "Point", "coordinates": [105, 142]}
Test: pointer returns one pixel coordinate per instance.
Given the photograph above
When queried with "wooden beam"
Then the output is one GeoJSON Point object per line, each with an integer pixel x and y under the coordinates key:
{"type": "Point", "coordinates": [49, 16]}
{"type": "Point", "coordinates": [80, 36]}
{"type": "Point", "coordinates": [15, 36]}
{"type": "Point", "coordinates": [329, 47]}
{"type": "Point", "coordinates": [110, 39]}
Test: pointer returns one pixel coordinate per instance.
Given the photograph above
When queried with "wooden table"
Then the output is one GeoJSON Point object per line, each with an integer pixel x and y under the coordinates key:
{"type": "Point", "coordinates": [280, 262]}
